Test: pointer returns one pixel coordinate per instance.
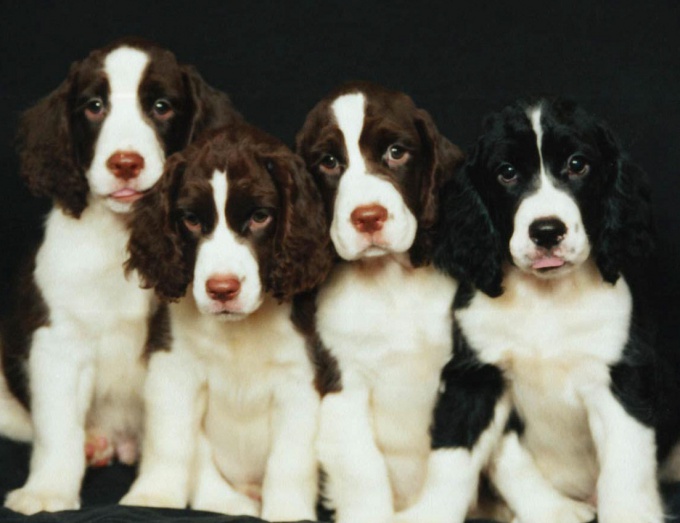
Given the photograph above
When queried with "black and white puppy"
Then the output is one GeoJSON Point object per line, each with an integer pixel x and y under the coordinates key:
{"type": "Point", "coordinates": [231, 403]}
{"type": "Point", "coordinates": [72, 346]}
{"type": "Point", "coordinates": [543, 227]}
{"type": "Point", "coordinates": [385, 313]}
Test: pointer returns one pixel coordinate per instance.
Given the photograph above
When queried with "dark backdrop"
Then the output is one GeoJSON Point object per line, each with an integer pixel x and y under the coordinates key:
{"type": "Point", "coordinates": [459, 60]}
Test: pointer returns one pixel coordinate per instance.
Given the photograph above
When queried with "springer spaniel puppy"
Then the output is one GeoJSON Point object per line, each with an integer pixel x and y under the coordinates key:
{"type": "Point", "coordinates": [385, 313]}
{"type": "Point", "coordinates": [72, 347]}
{"type": "Point", "coordinates": [545, 228]}
{"type": "Point", "coordinates": [231, 400]}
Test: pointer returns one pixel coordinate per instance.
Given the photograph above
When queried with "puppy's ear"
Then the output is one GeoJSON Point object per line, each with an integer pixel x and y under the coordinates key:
{"type": "Point", "coordinates": [626, 230]}
{"type": "Point", "coordinates": [468, 245]}
{"type": "Point", "coordinates": [48, 163]}
{"type": "Point", "coordinates": [157, 250]}
{"type": "Point", "coordinates": [302, 251]}
{"type": "Point", "coordinates": [211, 108]}
{"type": "Point", "coordinates": [441, 160]}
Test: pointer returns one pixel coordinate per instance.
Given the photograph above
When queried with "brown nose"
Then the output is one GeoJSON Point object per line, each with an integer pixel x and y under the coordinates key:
{"type": "Point", "coordinates": [125, 165]}
{"type": "Point", "coordinates": [223, 288]}
{"type": "Point", "coordinates": [369, 218]}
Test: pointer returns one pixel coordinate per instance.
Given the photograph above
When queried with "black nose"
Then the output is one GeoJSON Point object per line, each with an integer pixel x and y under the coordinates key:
{"type": "Point", "coordinates": [547, 232]}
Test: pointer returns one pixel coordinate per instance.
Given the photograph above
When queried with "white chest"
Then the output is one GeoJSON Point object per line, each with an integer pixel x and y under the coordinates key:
{"type": "Point", "coordinates": [244, 364]}
{"type": "Point", "coordinates": [553, 342]}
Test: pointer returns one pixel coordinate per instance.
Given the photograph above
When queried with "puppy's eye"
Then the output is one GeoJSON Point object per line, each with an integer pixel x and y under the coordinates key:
{"type": "Point", "coordinates": [260, 219]}
{"type": "Point", "coordinates": [192, 222]}
{"type": "Point", "coordinates": [330, 165]}
{"type": "Point", "coordinates": [95, 110]}
{"type": "Point", "coordinates": [577, 165]}
{"type": "Point", "coordinates": [269, 165]}
{"type": "Point", "coordinates": [507, 174]}
{"type": "Point", "coordinates": [162, 109]}
{"type": "Point", "coordinates": [396, 156]}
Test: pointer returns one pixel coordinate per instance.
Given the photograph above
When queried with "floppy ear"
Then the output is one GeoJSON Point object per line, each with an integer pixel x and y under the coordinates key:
{"type": "Point", "coordinates": [302, 252]}
{"type": "Point", "coordinates": [212, 108]}
{"type": "Point", "coordinates": [442, 159]}
{"type": "Point", "coordinates": [626, 230]}
{"type": "Point", "coordinates": [468, 245]}
{"type": "Point", "coordinates": [157, 250]}
{"type": "Point", "coordinates": [48, 164]}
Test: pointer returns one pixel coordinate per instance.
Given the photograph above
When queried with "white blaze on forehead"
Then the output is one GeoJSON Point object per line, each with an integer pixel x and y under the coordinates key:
{"type": "Point", "coordinates": [349, 115]}
{"type": "Point", "coordinates": [125, 127]}
{"type": "Point", "coordinates": [224, 253]}
{"type": "Point", "coordinates": [534, 115]}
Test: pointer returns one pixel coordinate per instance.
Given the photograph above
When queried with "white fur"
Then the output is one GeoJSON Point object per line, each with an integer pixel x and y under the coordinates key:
{"type": "Point", "coordinates": [85, 365]}
{"type": "Point", "coordinates": [555, 340]}
{"type": "Point", "coordinates": [359, 187]}
{"type": "Point", "coordinates": [548, 202]}
{"type": "Point", "coordinates": [223, 253]}
{"type": "Point", "coordinates": [125, 129]}
{"type": "Point", "coordinates": [389, 327]}
{"type": "Point", "coordinates": [232, 409]}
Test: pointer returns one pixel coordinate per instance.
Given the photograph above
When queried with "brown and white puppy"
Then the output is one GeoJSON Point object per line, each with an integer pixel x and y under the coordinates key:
{"type": "Point", "coordinates": [72, 346]}
{"type": "Point", "coordinates": [232, 409]}
{"type": "Point", "coordinates": [384, 313]}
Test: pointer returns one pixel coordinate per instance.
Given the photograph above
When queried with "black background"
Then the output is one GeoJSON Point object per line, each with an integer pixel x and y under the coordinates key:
{"type": "Point", "coordinates": [457, 60]}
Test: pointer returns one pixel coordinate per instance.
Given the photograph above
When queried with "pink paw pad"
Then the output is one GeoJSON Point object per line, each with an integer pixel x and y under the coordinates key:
{"type": "Point", "coordinates": [98, 451]}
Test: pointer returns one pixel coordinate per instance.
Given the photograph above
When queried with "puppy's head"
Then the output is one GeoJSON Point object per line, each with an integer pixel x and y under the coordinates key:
{"type": "Point", "coordinates": [105, 131]}
{"type": "Point", "coordinates": [379, 161]}
{"type": "Point", "coordinates": [237, 215]}
{"type": "Point", "coordinates": [546, 187]}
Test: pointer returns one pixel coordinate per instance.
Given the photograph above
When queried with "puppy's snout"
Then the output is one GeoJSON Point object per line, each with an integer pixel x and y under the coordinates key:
{"type": "Point", "coordinates": [223, 288]}
{"type": "Point", "coordinates": [547, 232]}
{"type": "Point", "coordinates": [125, 164]}
{"type": "Point", "coordinates": [369, 218]}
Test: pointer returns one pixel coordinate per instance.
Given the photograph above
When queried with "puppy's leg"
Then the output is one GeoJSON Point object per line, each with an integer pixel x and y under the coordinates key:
{"type": "Point", "coordinates": [289, 491]}
{"type": "Point", "coordinates": [356, 475]}
{"type": "Point", "coordinates": [61, 373]}
{"type": "Point", "coordinates": [627, 489]}
{"type": "Point", "coordinates": [530, 496]}
{"type": "Point", "coordinates": [172, 404]}
{"type": "Point", "coordinates": [212, 492]}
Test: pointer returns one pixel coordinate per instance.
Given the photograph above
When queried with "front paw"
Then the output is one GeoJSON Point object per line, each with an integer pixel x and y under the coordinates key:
{"type": "Point", "coordinates": [287, 512]}
{"type": "Point", "coordinates": [149, 498]}
{"type": "Point", "coordinates": [30, 501]}
{"type": "Point", "coordinates": [557, 510]}
{"type": "Point", "coordinates": [233, 505]}
{"type": "Point", "coordinates": [632, 511]}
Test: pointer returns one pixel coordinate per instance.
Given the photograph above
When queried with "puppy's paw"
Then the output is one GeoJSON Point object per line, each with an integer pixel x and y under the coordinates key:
{"type": "Point", "coordinates": [632, 510]}
{"type": "Point", "coordinates": [557, 510]}
{"type": "Point", "coordinates": [99, 452]}
{"type": "Point", "coordinates": [148, 498]}
{"type": "Point", "coordinates": [233, 505]}
{"type": "Point", "coordinates": [31, 501]}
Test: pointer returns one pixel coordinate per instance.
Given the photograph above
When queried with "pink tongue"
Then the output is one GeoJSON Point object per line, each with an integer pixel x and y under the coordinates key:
{"type": "Point", "coordinates": [547, 262]}
{"type": "Point", "coordinates": [123, 192]}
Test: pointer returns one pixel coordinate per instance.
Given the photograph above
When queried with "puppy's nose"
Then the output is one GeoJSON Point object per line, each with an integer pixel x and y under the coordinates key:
{"type": "Point", "coordinates": [547, 232]}
{"type": "Point", "coordinates": [125, 165]}
{"type": "Point", "coordinates": [223, 288]}
{"type": "Point", "coordinates": [369, 218]}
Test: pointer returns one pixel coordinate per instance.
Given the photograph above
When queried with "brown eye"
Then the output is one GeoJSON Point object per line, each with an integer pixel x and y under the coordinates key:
{"type": "Point", "coordinates": [330, 165]}
{"type": "Point", "coordinates": [507, 174]}
{"type": "Point", "coordinates": [260, 219]}
{"type": "Point", "coordinates": [396, 156]}
{"type": "Point", "coordinates": [162, 109]}
{"type": "Point", "coordinates": [192, 222]}
{"type": "Point", "coordinates": [577, 165]}
{"type": "Point", "coordinates": [95, 110]}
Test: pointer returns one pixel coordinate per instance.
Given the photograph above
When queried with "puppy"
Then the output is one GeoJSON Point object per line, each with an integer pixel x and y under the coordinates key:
{"type": "Point", "coordinates": [384, 313]}
{"type": "Point", "coordinates": [72, 346]}
{"type": "Point", "coordinates": [232, 409]}
{"type": "Point", "coordinates": [545, 227]}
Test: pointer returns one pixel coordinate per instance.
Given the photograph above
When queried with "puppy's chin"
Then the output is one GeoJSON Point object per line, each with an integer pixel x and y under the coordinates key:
{"type": "Point", "coordinates": [230, 311]}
